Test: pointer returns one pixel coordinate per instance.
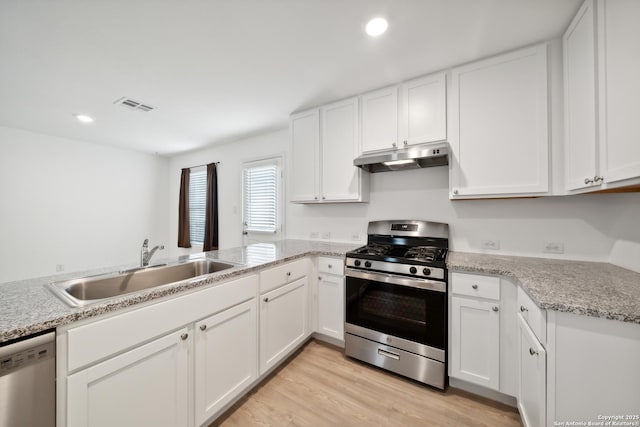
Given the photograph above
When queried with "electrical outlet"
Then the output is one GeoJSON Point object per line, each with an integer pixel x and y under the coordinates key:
{"type": "Point", "coordinates": [326, 235]}
{"type": "Point", "coordinates": [59, 268]}
{"type": "Point", "coordinates": [314, 235]}
{"type": "Point", "coordinates": [490, 244]}
{"type": "Point", "coordinates": [553, 247]}
{"type": "Point", "coordinates": [356, 237]}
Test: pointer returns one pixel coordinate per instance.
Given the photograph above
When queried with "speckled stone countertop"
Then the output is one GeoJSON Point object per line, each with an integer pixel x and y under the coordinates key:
{"type": "Point", "coordinates": [588, 288]}
{"type": "Point", "coordinates": [27, 306]}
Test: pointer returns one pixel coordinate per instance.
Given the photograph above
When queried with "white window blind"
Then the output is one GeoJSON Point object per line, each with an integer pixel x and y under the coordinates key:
{"type": "Point", "coordinates": [197, 205]}
{"type": "Point", "coordinates": [260, 196]}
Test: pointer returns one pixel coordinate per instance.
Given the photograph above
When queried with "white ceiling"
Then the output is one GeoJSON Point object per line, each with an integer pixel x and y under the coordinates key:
{"type": "Point", "coordinates": [217, 70]}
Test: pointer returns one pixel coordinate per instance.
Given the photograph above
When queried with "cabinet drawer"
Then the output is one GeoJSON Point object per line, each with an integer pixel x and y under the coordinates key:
{"type": "Point", "coordinates": [331, 265]}
{"type": "Point", "coordinates": [278, 276]}
{"type": "Point", "coordinates": [475, 285]}
{"type": "Point", "coordinates": [535, 317]}
{"type": "Point", "coordinates": [98, 340]}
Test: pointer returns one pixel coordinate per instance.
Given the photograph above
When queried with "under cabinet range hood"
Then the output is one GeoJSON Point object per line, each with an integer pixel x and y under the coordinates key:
{"type": "Point", "coordinates": [412, 157]}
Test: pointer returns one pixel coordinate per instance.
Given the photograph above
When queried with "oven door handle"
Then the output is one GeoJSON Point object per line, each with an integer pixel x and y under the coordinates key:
{"type": "Point", "coordinates": [393, 279]}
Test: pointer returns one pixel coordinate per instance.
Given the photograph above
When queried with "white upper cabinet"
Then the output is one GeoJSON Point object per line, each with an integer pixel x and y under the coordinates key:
{"type": "Point", "coordinates": [601, 65]}
{"type": "Point", "coordinates": [423, 115]}
{"type": "Point", "coordinates": [619, 89]}
{"type": "Point", "coordinates": [324, 142]}
{"type": "Point", "coordinates": [579, 48]}
{"type": "Point", "coordinates": [304, 129]}
{"type": "Point", "coordinates": [380, 119]}
{"type": "Point", "coordinates": [340, 145]}
{"type": "Point", "coordinates": [499, 126]}
{"type": "Point", "coordinates": [413, 113]}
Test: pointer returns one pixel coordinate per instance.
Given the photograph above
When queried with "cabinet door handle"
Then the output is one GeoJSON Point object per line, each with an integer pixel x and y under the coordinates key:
{"type": "Point", "coordinates": [523, 308]}
{"type": "Point", "coordinates": [203, 327]}
{"type": "Point", "coordinates": [495, 308]}
{"type": "Point", "coordinates": [533, 352]}
{"type": "Point", "coordinates": [588, 181]}
{"type": "Point", "coordinates": [597, 178]}
{"type": "Point", "coordinates": [405, 142]}
{"type": "Point", "coordinates": [474, 286]}
{"type": "Point", "coordinates": [184, 336]}
{"type": "Point", "coordinates": [266, 299]}
{"type": "Point", "coordinates": [315, 198]}
{"type": "Point", "coordinates": [455, 191]}
{"type": "Point", "coordinates": [329, 265]}
{"type": "Point", "coordinates": [288, 274]}
{"type": "Point", "coordinates": [394, 145]}
{"type": "Point", "coordinates": [319, 277]}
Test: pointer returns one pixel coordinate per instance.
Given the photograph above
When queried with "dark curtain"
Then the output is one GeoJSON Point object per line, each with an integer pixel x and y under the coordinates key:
{"type": "Point", "coordinates": [211, 214]}
{"type": "Point", "coordinates": [184, 238]}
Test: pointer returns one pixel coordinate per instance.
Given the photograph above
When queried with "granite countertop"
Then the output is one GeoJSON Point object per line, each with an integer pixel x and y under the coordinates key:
{"type": "Point", "coordinates": [588, 288]}
{"type": "Point", "coordinates": [27, 306]}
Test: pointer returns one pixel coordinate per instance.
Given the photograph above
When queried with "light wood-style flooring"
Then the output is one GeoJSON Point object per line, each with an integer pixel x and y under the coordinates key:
{"type": "Point", "coordinates": [318, 386]}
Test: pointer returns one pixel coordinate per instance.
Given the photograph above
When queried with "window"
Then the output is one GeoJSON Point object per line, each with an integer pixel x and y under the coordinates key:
{"type": "Point", "coordinates": [260, 196]}
{"type": "Point", "coordinates": [197, 204]}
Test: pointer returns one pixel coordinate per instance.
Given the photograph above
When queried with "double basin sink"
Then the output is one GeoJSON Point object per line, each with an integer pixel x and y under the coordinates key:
{"type": "Point", "coordinates": [83, 291]}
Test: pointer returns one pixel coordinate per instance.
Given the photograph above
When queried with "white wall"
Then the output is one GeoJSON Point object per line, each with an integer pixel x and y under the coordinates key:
{"type": "Point", "coordinates": [77, 204]}
{"type": "Point", "coordinates": [599, 227]}
{"type": "Point", "coordinates": [231, 156]}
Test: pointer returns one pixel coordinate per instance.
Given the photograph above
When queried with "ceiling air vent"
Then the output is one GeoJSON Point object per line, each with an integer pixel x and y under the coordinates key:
{"type": "Point", "coordinates": [134, 105]}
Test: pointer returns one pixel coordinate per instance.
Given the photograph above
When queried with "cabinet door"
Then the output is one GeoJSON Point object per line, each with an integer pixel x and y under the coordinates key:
{"type": "Point", "coordinates": [475, 347]}
{"type": "Point", "coordinates": [499, 138]}
{"type": "Point", "coordinates": [305, 156]}
{"type": "Point", "coordinates": [226, 357]}
{"type": "Point", "coordinates": [283, 322]}
{"type": "Point", "coordinates": [380, 119]}
{"type": "Point", "coordinates": [532, 376]}
{"type": "Point", "coordinates": [580, 99]}
{"type": "Point", "coordinates": [340, 145]}
{"type": "Point", "coordinates": [331, 306]}
{"type": "Point", "coordinates": [424, 110]}
{"type": "Point", "coordinates": [619, 68]}
{"type": "Point", "coordinates": [144, 386]}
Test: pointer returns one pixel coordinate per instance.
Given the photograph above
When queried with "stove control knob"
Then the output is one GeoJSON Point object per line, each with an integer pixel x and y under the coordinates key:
{"type": "Point", "coordinates": [413, 270]}
{"type": "Point", "coordinates": [426, 271]}
{"type": "Point", "coordinates": [357, 263]}
{"type": "Point", "coordinates": [367, 264]}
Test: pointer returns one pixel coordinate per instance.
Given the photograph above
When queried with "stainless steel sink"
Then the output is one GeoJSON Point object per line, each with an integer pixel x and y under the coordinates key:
{"type": "Point", "coordinates": [90, 290]}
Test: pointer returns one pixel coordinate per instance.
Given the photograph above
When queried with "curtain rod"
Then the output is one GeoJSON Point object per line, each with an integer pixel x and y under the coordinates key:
{"type": "Point", "coordinates": [199, 166]}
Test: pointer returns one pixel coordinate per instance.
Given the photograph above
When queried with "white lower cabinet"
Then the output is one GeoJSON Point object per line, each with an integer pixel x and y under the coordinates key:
{"type": "Point", "coordinates": [283, 322]}
{"type": "Point", "coordinates": [475, 340]}
{"type": "Point", "coordinates": [145, 386]}
{"type": "Point", "coordinates": [532, 377]}
{"type": "Point", "coordinates": [226, 364]}
{"type": "Point", "coordinates": [330, 298]}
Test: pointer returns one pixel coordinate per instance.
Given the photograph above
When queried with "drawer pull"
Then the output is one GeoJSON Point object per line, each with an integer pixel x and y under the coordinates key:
{"type": "Point", "coordinates": [523, 308]}
{"type": "Point", "coordinates": [288, 273]}
{"type": "Point", "coordinates": [203, 327]}
{"type": "Point", "coordinates": [329, 266]}
{"type": "Point", "coordinates": [388, 354]}
{"type": "Point", "coordinates": [533, 352]}
{"type": "Point", "coordinates": [184, 336]}
{"type": "Point", "coordinates": [474, 286]}
{"type": "Point", "coordinates": [266, 299]}
{"type": "Point", "coordinates": [495, 308]}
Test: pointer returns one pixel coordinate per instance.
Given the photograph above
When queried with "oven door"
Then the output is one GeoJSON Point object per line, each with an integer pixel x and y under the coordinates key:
{"type": "Point", "coordinates": [403, 307]}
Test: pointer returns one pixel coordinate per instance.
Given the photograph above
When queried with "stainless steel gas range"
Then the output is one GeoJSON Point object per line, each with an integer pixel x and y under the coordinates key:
{"type": "Point", "coordinates": [396, 299]}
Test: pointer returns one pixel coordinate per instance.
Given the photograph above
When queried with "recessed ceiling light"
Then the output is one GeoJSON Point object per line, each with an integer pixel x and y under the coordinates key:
{"type": "Point", "coordinates": [83, 118]}
{"type": "Point", "coordinates": [376, 26]}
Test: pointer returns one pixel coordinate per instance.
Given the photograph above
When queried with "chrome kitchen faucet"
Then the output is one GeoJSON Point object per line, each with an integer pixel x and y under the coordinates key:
{"type": "Point", "coordinates": [146, 254]}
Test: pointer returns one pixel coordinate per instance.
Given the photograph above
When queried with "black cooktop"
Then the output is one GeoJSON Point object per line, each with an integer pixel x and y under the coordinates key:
{"type": "Point", "coordinates": [419, 251]}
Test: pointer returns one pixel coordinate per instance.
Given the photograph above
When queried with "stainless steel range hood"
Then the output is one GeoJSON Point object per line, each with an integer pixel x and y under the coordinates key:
{"type": "Point", "coordinates": [412, 157]}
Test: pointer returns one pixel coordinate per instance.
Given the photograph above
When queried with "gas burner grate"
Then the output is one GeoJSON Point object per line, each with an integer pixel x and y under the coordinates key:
{"type": "Point", "coordinates": [374, 249]}
{"type": "Point", "coordinates": [427, 253]}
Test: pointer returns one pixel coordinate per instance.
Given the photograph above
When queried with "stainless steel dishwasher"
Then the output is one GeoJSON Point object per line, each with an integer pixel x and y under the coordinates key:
{"type": "Point", "coordinates": [27, 382]}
